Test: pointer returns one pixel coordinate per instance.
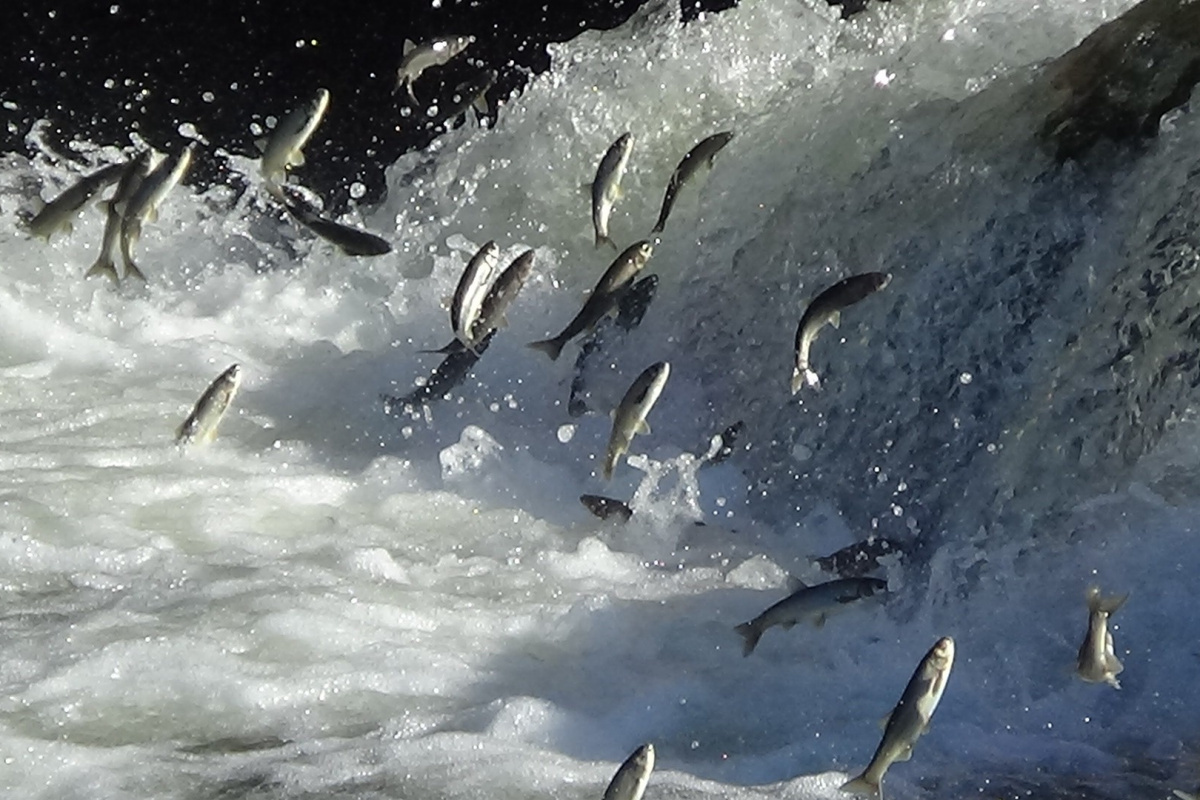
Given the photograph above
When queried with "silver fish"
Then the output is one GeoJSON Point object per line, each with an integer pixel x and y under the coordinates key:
{"type": "Point", "coordinates": [201, 424]}
{"type": "Point", "coordinates": [491, 313]}
{"type": "Point", "coordinates": [56, 215]}
{"type": "Point", "coordinates": [284, 148]}
{"type": "Point", "coordinates": [630, 416]}
{"type": "Point", "coordinates": [350, 240]}
{"type": "Point", "coordinates": [603, 298]}
{"type": "Point", "coordinates": [606, 187]}
{"type": "Point", "coordinates": [418, 58]}
{"type": "Point", "coordinates": [826, 309]}
{"type": "Point", "coordinates": [453, 370]}
{"type": "Point", "coordinates": [700, 156]}
{"type": "Point", "coordinates": [909, 718]}
{"type": "Point", "coordinates": [1098, 662]}
{"type": "Point", "coordinates": [143, 206]}
{"type": "Point", "coordinates": [808, 603]}
{"type": "Point", "coordinates": [629, 782]}
{"type": "Point", "coordinates": [606, 507]}
{"type": "Point", "coordinates": [135, 171]}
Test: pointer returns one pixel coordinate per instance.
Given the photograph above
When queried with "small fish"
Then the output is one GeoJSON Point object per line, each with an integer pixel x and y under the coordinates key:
{"type": "Point", "coordinates": [471, 93]}
{"type": "Point", "coordinates": [826, 309]}
{"type": "Point", "coordinates": [450, 373]}
{"type": "Point", "coordinates": [602, 300]}
{"type": "Point", "coordinates": [491, 312]}
{"type": "Point", "coordinates": [606, 188]}
{"type": "Point", "coordinates": [859, 558]}
{"type": "Point", "coordinates": [728, 442]}
{"type": "Point", "coordinates": [135, 171]}
{"type": "Point", "coordinates": [201, 425]}
{"type": "Point", "coordinates": [472, 288]}
{"type": "Point", "coordinates": [631, 307]}
{"type": "Point", "coordinates": [808, 603]}
{"type": "Point", "coordinates": [700, 156]}
{"type": "Point", "coordinates": [418, 58]}
{"type": "Point", "coordinates": [1098, 662]}
{"type": "Point", "coordinates": [629, 418]}
{"type": "Point", "coordinates": [1182, 795]}
{"type": "Point", "coordinates": [56, 215]}
{"type": "Point", "coordinates": [143, 206]}
{"type": "Point", "coordinates": [909, 719]}
{"type": "Point", "coordinates": [606, 507]}
{"type": "Point", "coordinates": [629, 782]}
{"type": "Point", "coordinates": [350, 240]}
{"type": "Point", "coordinates": [284, 148]}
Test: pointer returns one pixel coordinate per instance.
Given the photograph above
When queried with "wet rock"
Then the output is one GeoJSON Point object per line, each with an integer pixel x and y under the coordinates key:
{"type": "Point", "coordinates": [1124, 76]}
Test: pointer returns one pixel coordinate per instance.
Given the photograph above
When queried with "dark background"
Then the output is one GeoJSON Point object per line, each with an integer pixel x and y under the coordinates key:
{"type": "Point", "coordinates": [98, 69]}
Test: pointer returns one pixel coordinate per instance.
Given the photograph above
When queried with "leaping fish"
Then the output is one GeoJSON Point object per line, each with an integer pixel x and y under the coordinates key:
{"type": "Point", "coordinates": [909, 719]}
{"type": "Point", "coordinates": [630, 416]}
{"type": "Point", "coordinates": [603, 298]}
{"type": "Point", "coordinates": [1098, 662]}
{"type": "Point", "coordinates": [143, 206]}
{"type": "Point", "coordinates": [698, 157]}
{"type": "Point", "coordinates": [826, 309]}
{"type": "Point", "coordinates": [56, 215]}
{"type": "Point", "coordinates": [812, 603]}
{"type": "Point", "coordinates": [629, 782]}
{"type": "Point", "coordinates": [420, 57]}
{"type": "Point", "coordinates": [114, 208]}
{"type": "Point", "coordinates": [284, 148]}
{"type": "Point", "coordinates": [606, 187]}
{"type": "Point", "coordinates": [201, 425]}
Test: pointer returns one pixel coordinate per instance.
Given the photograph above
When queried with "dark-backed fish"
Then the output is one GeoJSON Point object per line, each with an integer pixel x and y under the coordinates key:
{"type": "Point", "coordinates": [826, 309]}
{"type": "Point", "coordinates": [603, 298]}
{"type": "Point", "coordinates": [606, 186]}
{"type": "Point", "coordinates": [606, 507]}
{"type": "Point", "coordinates": [350, 240]}
{"type": "Point", "coordinates": [201, 425]}
{"type": "Point", "coordinates": [135, 171]}
{"type": "Point", "coordinates": [814, 604]}
{"type": "Point", "coordinates": [57, 214]}
{"type": "Point", "coordinates": [630, 416]}
{"type": "Point", "coordinates": [698, 157]}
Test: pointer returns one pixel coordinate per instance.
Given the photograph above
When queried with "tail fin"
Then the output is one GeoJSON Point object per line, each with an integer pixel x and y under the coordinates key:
{"type": "Point", "coordinates": [103, 266]}
{"type": "Point", "coordinates": [751, 633]}
{"type": "Point", "coordinates": [551, 347]}
{"type": "Point", "coordinates": [1182, 795]}
{"type": "Point", "coordinates": [862, 785]}
{"type": "Point", "coordinates": [1108, 605]}
{"type": "Point", "coordinates": [132, 269]}
{"type": "Point", "coordinates": [602, 239]}
{"type": "Point", "coordinates": [805, 377]}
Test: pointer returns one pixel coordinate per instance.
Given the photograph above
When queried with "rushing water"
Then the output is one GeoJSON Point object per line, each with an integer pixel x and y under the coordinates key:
{"type": "Point", "coordinates": [333, 601]}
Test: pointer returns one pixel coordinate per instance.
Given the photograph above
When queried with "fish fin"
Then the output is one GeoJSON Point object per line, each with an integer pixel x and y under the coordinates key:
{"type": "Point", "coordinates": [794, 584]}
{"type": "Point", "coordinates": [905, 754]}
{"type": "Point", "coordinates": [152, 215]}
{"type": "Point", "coordinates": [103, 266]}
{"type": "Point", "coordinates": [482, 105]}
{"type": "Point", "coordinates": [1182, 795]}
{"type": "Point", "coordinates": [408, 84]}
{"type": "Point", "coordinates": [819, 621]}
{"type": "Point", "coordinates": [551, 347]}
{"type": "Point", "coordinates": [261, 144]}
{"type": "Point", "coordinates": [884, 720]}
{"type": "Point", "coordinates": [643, 427]}
{"type": "Point", "coordinates": [1108, 605]}
{"type": "Point", "coordinates": [296, 159]}
{"type": "Point", "coordinates": [862, 785]}
{"type": "Point", "coordinates": [602, 239]}
{"type": "Point", "coordinates": [408, 47]}
{"type": "Point", "coordinates": [835, 319]}
{"type": "Point", "coordinates": [750, 634]}
{"type": "Point", "coordinates": [658, 228]}
{"type": "Point", "coordinates": [132, 269]}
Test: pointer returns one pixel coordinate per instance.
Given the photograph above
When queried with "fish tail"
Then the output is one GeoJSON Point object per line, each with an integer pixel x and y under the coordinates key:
{"type": "Point", "coordinates": [1107, 605]}
{"type": "Point", "coordinates": [751, 633]}
{"type": "Point", "coordinates": [103, 266]}
{"type": "Point", "coordinates": [805, 376]}
{"type": "Point", "coordinates": [551, 347]}
{"type": "Point", "coordinates": [133, 269]}
{"type": "Point", "coordinates": [602, 239]}
{"type": "Point", "coordinates": [610, 463]}
{"type": "Point", "coordinates": [1182, 795]}
{"type": "Point", "coordinates": [408, 85]}
{"type": "Point", "coordinates": [658, 226]}
{"type": "Point", "coordinates": [862, 785]}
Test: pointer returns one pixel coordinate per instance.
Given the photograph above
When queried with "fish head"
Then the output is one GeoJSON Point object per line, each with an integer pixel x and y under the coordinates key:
{"type": "Point", "coordinates": [941, 656]}
{"type": "Point", "coordinates": [882, 279]}
{"type": "Point", "coordinates": [644, 251]}
{"type": "Point", "coordinates": [624, 143]}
